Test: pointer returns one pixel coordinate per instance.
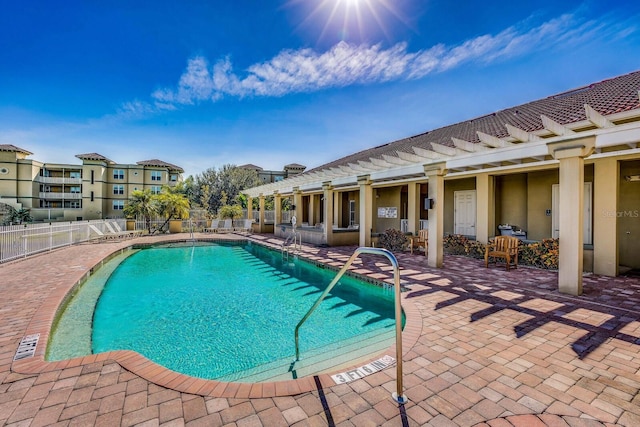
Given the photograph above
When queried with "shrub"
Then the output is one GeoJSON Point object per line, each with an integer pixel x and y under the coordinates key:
{"type": "Point", "coordinates": [393, 240]}
{"type": "Point", "coordinates": [542, 254]}
{"type": "Point", "coordinates": [456, 244]}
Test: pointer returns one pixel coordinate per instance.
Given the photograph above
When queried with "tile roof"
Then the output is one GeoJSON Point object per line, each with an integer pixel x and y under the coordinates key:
{"type": "Point", "coordinates": [607, 97]}
{"type": "Point", "coordinates": [94, 156]}
{"type": "Point", "coordinates": [294, 166]}
{"type": "Point", "coordinates": [13, 149]}
{"type": "Point", "coordinates": [250, 166]}
{"type": "Point", "coordinates": [160, 163]}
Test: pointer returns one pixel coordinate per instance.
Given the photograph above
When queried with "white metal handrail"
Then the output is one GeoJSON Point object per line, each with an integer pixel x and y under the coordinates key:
{"type": "Point", "coordinates": [294, 239]}
{"type": "Point", "coordinates": [397, 395]}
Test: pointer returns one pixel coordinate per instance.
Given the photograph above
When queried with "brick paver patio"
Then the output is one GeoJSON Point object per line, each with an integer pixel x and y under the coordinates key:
{"type": "Point", "coordinates": [482, 348]}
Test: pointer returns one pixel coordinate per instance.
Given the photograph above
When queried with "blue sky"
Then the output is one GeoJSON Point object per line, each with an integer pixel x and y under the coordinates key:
{"type": "Point", "coordinates": [271, 82]}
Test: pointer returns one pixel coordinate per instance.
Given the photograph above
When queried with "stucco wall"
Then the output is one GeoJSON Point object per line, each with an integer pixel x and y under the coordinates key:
{"type": "Point", "coordinates": [511, 200]}
{"type": "Point", "coordinates": [386, 198]}
{"type": "Point", "coordinates": [538, 223]}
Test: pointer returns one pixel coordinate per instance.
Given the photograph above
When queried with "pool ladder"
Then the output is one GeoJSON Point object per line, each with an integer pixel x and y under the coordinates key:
{"type": "Point", "coordinates": [397, 395]}
{"type": "Point", "coordinates": [293, 240]}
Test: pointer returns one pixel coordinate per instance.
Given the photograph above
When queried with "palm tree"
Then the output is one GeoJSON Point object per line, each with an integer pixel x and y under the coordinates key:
{"type": "Point", "coordinates": [142, 204]}
{"type": "Point", "coordinates": [172, 205]}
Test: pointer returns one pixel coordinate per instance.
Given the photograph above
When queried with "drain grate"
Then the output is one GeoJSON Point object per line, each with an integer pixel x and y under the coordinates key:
{"type": "Point", "coordinates": [27, 347]}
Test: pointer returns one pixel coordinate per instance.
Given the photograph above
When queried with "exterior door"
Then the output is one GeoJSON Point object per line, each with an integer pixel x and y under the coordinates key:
{"type": "Point", "coordinates": [587, 238]}
{"type": "Point", "coordinates": [464, 212]}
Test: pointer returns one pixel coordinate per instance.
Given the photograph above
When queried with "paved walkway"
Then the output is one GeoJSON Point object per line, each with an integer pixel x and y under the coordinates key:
{"type": "Point", "coordinates": [485, 348]}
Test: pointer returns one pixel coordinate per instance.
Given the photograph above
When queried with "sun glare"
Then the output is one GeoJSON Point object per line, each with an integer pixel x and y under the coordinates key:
{"type": "Point", "coordinates": [352, 20]}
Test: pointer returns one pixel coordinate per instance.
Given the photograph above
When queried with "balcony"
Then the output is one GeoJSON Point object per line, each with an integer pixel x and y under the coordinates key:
{"type": "Point", "coordinates": [60, 196]}
{"type": "Point", "coordinates": [58, 180]}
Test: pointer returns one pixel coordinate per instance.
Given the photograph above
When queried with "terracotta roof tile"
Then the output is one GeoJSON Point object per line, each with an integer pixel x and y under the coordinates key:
{"type": "Point", "coordinates": [94, 156]}
{"type": "Point", "coordinates": [14, 149]}
{"type": "Point", "coordinates": [606, 97]}
{"type": "Point", "coordinates": [160, 163]}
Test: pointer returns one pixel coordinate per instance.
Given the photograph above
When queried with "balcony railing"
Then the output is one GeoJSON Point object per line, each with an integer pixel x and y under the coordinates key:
{"type": "Point", "coordinates": [60, 196]}
{"type": "Point", "coordinates": [58, 180]}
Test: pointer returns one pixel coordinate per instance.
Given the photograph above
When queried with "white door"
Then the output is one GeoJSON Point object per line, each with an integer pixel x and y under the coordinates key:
{"type": "Point", "coordinates": [555, 212]}
{"type": "Point", "coordinates": [464, 215]}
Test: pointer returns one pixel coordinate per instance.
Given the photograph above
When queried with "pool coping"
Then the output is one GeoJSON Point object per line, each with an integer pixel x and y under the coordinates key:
{"type": "Point", "coordinates": [44, 319]}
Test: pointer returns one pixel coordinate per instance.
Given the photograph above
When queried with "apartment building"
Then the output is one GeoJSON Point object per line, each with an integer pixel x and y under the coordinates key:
{"type": "Point", "coordinates": [267, 177]}
{"type": "Point", "coordinates": [97, 188]}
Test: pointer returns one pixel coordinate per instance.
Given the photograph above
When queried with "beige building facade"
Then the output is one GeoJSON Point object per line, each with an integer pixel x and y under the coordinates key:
{"type": "Point", "coordinates": [98, 188]}
{"type": "Point", "coordinates": [566, 166]}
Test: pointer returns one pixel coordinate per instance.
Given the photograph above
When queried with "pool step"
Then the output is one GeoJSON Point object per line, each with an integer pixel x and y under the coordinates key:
{"type": "Point", "coordinates": [329, 358]}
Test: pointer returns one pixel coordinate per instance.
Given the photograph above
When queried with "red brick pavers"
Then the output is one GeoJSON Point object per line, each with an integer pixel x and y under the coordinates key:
{"type": "Point", "coordinates": [491, 348]}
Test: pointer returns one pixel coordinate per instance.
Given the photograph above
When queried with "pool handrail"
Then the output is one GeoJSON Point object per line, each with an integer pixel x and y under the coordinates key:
{"type": "Point", "coordinates": [397, 395]}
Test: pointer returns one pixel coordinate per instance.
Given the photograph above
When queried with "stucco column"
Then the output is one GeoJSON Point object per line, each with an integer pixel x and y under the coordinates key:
{"type": "Point", "coordinates": [249, 207]}
{"type": "Point", "coordinates": [571, 156]}
{"type": "Point", "coordinates": [435, 173]}
{"type": "Point", "coordinates": [485, 207]}
{"type": "Point", "coordinates": [413, 206]}
{"type": "Point", "coordinates": [365, 216]}
{"type": "Point", "coordinates": [277, 206]}
{"type": "Point", "coordinates": [337, 208]}
{"type": "Point", "coordinates": [297, 202]}
{"type": "Point", "coordinates": [327, 190]}
{"type": "Point", "coordinates": [312, 209]}
{"type": "Point", "coordinates": [262, 228]}
{"type": "Point", "coordinates": [605, 223]}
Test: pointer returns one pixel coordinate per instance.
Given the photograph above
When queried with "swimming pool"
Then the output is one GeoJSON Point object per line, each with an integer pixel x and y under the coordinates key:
{"type": "Point", "coordinates": [173, 305]}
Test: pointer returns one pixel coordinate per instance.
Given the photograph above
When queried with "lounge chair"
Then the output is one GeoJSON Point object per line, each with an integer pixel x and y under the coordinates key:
{"type": "Point", "coordinates": [227, 227]}
{"type": "Point", "coordinates": [115, 233]}
{"type": "Point", "coordinates": [245, 227]}
{"type": "Point", "coordinates": [99, 236]}
{"type": "Point", "coordinates": [133, 233]}
{"type": "Point", "coordinates": [213, 228]}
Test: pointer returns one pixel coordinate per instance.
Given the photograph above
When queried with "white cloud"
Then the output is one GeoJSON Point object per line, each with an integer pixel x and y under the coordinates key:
{"type": "Point", "coordinates": [305, 70]}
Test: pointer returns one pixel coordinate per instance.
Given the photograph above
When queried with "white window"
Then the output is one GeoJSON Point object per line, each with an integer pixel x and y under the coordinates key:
{"type": "Point", "coordinates": [75, 174]}
{"type": "Point", "coordinates": [155, 189]}
{"type": "Point", "coordinates": [74, 205]}
{"type": "Point", "coordinates": [118, 189]}
{"type": "Point", "coordinates": [174, 177]}
{"type": "Point", "coordinates": [156, 176]}
{"type": "Point", "coordinates": [118, 205]}
{"type": "Point", "coordinates": [118, 174]}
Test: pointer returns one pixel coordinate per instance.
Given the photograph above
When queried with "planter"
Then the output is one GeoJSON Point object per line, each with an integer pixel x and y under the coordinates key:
{"type": "Point", "coordinates": [175, 226]}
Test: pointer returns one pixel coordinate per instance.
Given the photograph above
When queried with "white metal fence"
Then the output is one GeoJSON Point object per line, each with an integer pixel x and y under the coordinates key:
{"type": "Point", "coordinates": [18, 241]}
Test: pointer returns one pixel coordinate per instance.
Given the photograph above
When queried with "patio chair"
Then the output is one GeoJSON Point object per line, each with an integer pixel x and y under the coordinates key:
{"type": "Point", "coordinates": [132, 233]}
{"type": "Point", "coordinates": [226, 227]}
{"type": "Point", "coordinates": [504, 247]}
{"type": "Point", "coordinates": [245, 227]}
{"type": "Point", "coordinates": [213, 228]}
{"type": "Point", "coordinates": [422, 239]}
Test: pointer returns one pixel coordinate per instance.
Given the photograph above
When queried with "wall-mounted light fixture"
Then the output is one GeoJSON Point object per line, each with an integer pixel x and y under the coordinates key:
{"type": "Point", "coordinates": [428, 203]}
{"type": "Point", "coordinates": [632, 178]}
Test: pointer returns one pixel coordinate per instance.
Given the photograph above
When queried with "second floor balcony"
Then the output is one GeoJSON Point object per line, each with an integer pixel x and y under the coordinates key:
{"type": "Point", "coordinates": [58, 180]}
{"type": "Point", "coordinates": [49, 195]}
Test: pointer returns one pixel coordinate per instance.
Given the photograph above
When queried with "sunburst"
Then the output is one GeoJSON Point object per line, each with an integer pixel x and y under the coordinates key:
{"type": "Point", "coordinates": [351, 20]}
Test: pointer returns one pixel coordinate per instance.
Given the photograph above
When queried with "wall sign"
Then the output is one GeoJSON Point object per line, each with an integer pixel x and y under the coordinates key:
{"type": "Point", "coordinates": [391, 212]}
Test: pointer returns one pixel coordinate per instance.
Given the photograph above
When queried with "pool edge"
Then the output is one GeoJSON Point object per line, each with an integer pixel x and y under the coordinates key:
{"type": "Point", "coordinates": [43, 321]}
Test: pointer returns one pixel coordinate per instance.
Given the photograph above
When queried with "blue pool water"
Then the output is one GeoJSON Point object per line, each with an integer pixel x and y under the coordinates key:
{"type": "Point", "coordinates": [217, 311]}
